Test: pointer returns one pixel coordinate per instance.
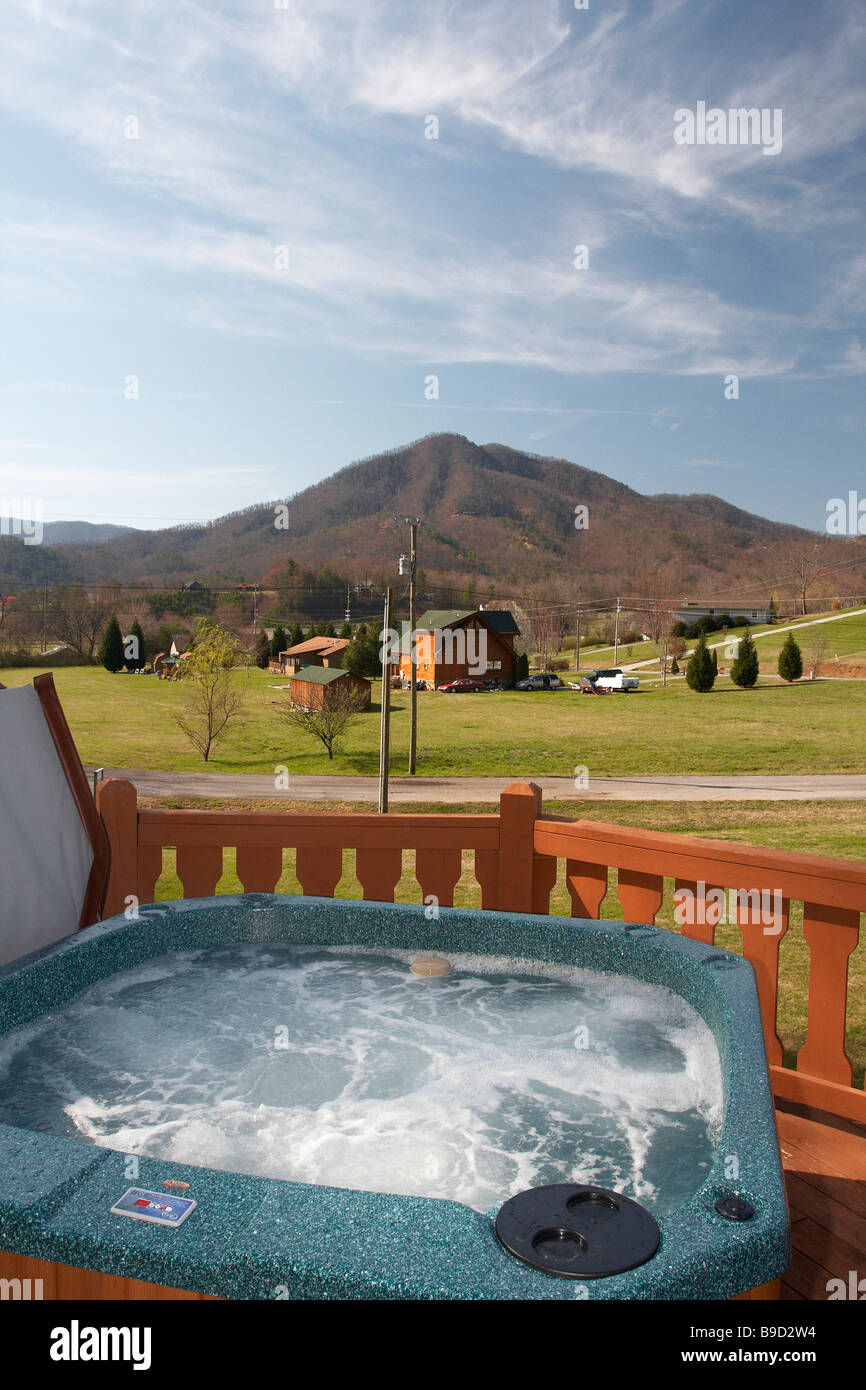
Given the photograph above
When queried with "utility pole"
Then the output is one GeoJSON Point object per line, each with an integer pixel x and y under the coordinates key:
{"type": "Point", "coordinates": [414, 523]}
{"type": "Point", "coordinates": [577, 646]}
{"type": "Point", "coordinates": [616, 632]}
{"type": "Point", "coordinates": [385, 732]}
{"type": "Point", "coordinates": [413, 665]}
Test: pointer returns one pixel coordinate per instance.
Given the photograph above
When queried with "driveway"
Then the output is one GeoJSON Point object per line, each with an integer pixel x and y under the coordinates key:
{"type": "Point", "coordinates": [259, 786]}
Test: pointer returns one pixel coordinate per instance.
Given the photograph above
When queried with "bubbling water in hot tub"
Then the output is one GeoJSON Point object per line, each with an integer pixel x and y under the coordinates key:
{"type": "Point", "coordinates": [338, 1066]}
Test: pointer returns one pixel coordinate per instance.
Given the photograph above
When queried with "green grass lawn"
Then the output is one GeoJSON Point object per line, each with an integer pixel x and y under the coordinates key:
{"type": "Point", "coordinates": [813, 727]}
{"type": "Point", "coordinates": [845, 637]}
{"type": "Point", "coordinates": [833, 828]}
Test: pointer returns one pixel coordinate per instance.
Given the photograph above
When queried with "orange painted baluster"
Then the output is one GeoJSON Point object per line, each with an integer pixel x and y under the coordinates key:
{"type": "Point", "coordinates": [199, 868]}
{"type": "Point", "coordinates": [437, 871]}
{"type": "Point", "coordinates": [259, 867]}
{"type": "Point", "coordinates": [761, 941]}
{"type": "Point", "coordinates": [318, 870]}
{"type": "Point", "coordinates": [543, 879]}
{"type": "Point", "coordinates": [487, 876]}
{"type": "Point", "coordinates": [832, 934]}
{"type": "Point", "coordinates": [640, 894]}
{"type": "Point", "coordinates": [149, 870]}
{"type": "Point", "coordinates": [587, 886]}
{"type": "Point", "coordinates": [706, 915]}
{"type": "Point", "coordinates": [379, 871]}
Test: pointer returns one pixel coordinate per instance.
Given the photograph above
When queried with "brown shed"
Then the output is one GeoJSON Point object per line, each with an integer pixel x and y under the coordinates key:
{"type": "Point", "coordinates": [314, 686]}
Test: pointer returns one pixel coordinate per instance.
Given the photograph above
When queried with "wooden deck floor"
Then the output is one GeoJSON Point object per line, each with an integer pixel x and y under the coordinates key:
{"type": "Point", "coordinates": [825, 1170]}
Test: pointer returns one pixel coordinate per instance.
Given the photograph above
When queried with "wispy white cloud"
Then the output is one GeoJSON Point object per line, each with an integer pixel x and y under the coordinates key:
{"type": "Point", "coordinates": [303, 127]}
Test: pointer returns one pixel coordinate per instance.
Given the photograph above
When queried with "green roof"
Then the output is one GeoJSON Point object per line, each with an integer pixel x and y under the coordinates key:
{"type": "Point", "coordinates": [444, 617]}
{"type": "Point", "coordinates": [498, 618]}
{"type": "Point", "coordinates": [319, 675]}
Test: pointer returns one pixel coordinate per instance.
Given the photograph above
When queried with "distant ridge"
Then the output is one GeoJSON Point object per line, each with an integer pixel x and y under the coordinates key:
{"type": "Point", "coordinates": [491, 513]}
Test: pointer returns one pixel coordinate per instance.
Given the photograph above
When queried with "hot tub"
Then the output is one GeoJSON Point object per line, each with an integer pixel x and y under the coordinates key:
{"type": "Point", "coordinates": [350, 1130]}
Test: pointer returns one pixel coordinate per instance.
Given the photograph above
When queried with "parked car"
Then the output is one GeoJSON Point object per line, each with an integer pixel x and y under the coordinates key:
{"type": "Point", "coordinates": [545, 680]}
{"type": "Point", "coordinates": [613, 679]}
{"type": "Point", "coordinates": [465, 686]}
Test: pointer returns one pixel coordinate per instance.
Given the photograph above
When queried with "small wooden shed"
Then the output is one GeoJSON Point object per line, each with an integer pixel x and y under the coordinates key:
{"type": "Point", "coordinates": [314, 686]}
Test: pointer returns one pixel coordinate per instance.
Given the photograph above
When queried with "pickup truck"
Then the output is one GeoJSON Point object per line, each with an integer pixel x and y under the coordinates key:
{"type": "Point", "coordinates": [613, 679]}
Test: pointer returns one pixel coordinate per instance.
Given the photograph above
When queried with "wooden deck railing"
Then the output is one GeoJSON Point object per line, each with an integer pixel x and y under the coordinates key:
{"type": "Point", "coordinates": [516, 862]}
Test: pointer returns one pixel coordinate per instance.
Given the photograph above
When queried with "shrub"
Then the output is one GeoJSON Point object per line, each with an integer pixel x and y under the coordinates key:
{"type": "Point", "coordinates": [744, 671]}
{"type": "Point", "coordinates": [790, 660]}
{"type": "Point", "coordinates": [362, 656]}
{"type": "Point", "coordinates": [262, 651]}
{"type": "Point", "coordinates": [521, 667]}
{"type": "Point", "coordinates": [139, 660]}
{"type": "Point", "coordinates": [699, 672]}
{"type": "Point", "coordinates": [279, 641]}
{"type": "Point", "coordinates": [111, 652]}
{"type": "Point", "coordinates": [675, 668]}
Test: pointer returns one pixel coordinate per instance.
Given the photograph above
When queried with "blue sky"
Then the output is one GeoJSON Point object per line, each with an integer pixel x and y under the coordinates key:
{"type": "Point", "coordinates": [304, 127]}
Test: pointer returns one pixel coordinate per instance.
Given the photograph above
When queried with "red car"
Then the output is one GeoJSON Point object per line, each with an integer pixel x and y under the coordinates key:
{"type": "Point", "coordinates": [464, 686]}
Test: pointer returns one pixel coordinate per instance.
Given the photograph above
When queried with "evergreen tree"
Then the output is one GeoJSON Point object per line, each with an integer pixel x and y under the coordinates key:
{"type": "Point", "coordinates": [279, 641]}
{"type": "Point", "coordinates": [521, 667]}
{"type": "Point", "coordinates": [790, 660]}
{"type": "Point", "coordinates": [262, 653]}
{"type": "Point", "coordinates": [327, 630]}
{"type": "Point", "coordinates": [675, 667]}
{"type": "Point", "coordinates": [699, 672]}
{"type": "Point", "coordinates": [139, 662]}
{"type": "Point", "coordinates": [111, 647]}
{"type": "Point", "coordinates": [296, 635]}
{"type": "Point", "coordinates": [715, 660]}
{"type": "Point", "coordinates": [346, 629]}
{"type": "Point", "coordinates": [744, 671]}
{"type": "Point", "coordinates": [362, 656]}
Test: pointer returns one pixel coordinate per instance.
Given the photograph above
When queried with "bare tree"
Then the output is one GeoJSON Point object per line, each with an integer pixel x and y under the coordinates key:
{"type": "Point", "coordinates": [330, 720]}
{"type": "Point", "coordinates": [548, 622]}
{"type": "Point", "coordinates": [816, 652]}
{"type": "Point", "coordinates": [77, 618]}
{"type": "Point", "coordinates": [212, 696]}
{"type": "Point", "coordinates": [802, 567]}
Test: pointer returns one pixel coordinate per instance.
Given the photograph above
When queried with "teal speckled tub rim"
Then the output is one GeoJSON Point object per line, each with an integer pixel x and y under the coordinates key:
{"type": "Point", "coordinates": [260, 1238]}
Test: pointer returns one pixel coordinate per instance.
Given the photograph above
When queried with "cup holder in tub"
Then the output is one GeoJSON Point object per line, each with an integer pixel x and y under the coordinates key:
{"type": "Point", "coordinates": [576, 1231]}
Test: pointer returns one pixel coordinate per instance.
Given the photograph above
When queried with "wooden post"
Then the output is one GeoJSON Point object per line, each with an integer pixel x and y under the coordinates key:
{"type": "Point", "coordinates": [519, 807]}
{"type": "Point", "coordinates": [117, 804]}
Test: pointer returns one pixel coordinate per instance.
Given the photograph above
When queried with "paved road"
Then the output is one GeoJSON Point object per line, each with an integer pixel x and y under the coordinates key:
{"type": "Point", "coordinates": [241, 786]}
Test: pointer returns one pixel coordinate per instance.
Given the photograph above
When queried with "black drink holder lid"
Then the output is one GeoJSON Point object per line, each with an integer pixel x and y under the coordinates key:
{"type": "Point", "coordinates": [577, 1231]}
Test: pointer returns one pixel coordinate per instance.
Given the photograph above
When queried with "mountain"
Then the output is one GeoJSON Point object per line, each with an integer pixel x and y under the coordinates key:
{"type": "Point", "coordinates": [81, 532]}
{"type": "Point", "coordinates": [501, 516]}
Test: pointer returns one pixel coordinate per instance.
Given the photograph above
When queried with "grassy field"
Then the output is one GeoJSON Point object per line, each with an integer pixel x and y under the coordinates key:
{"type": "Point", "coordinates": [834, 828]}
{"type": "Point", "coordinates": [812, 727]}
{"type": "Point", "coordinates": [845, 637]}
